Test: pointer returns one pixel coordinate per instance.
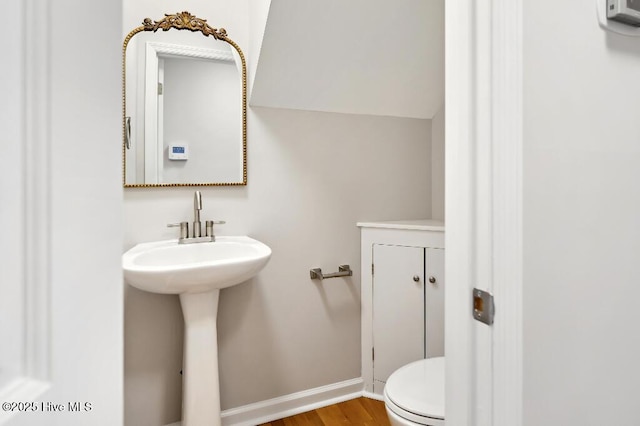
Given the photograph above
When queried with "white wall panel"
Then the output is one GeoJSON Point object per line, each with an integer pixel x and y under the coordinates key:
{"type": "Point", "coordinates": [582, 204]}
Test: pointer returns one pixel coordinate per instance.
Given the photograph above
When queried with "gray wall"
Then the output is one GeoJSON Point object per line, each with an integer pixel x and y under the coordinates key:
{"type": "Point", "coordinates": [312, 176]}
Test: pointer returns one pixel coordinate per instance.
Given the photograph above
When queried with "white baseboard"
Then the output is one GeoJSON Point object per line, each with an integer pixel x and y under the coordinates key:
{"type": "Point", "coordinates": [295, 403]}
{"type": "Point", "coordinates": [372, 395]}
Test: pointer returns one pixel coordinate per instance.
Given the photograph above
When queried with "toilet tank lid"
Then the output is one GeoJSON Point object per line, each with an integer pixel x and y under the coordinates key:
{"type": "Point", "coordinates": [419, 387]}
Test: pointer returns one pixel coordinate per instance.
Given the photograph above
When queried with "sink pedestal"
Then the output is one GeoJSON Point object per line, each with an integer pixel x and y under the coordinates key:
{"type": "Point", "coordinates": [196, 272]}
{"type": "Point", "coordinates": [200, 383]}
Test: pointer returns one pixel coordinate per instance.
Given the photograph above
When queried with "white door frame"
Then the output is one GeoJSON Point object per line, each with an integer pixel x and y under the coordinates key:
{"type": "Point", "coordinates": [61, 243]}
{"type": "Point", "coordinates": [29, 169]}
{"type": "Point", "coordinates": [484, 210]}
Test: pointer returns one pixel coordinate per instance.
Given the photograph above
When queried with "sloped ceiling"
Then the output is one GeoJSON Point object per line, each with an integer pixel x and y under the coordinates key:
{"type": "Point", "coordinates": [377, 57]}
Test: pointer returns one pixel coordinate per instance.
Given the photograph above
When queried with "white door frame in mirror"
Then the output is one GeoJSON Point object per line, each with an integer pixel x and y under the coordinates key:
{"type": "Point", "coordinates": [484, 210]}
{"type": "Point", "coordinates": [153, 115]}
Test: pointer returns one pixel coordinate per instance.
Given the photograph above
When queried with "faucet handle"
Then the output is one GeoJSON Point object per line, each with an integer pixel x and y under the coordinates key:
{"type": "Point", "coordinates": [209, 226]}
{"type": "Point", "coordinates": [184, 228]}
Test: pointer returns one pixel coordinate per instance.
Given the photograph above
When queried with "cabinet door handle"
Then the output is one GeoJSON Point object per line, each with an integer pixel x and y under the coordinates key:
{"type": "Point", "coordinates": [416, 278]}
{"type": "Point", "coordinates": [432, 279]}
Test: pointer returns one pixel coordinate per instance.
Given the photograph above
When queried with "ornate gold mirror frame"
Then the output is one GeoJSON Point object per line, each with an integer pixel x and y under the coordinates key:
{"type": "Point", "coordinates": [183, 21]}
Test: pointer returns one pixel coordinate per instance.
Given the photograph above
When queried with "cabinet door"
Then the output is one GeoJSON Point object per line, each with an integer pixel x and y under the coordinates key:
{"type": "Point", "coordinates": [434, 302]}
{"type": "Point", "coordinates": [398, 308]}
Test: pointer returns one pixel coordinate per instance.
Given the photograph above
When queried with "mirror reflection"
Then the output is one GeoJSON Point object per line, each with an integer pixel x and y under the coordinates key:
{"type": "Point", "coordinates": [184, 105]}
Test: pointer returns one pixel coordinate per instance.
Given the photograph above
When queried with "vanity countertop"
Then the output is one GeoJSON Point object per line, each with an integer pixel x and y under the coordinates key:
{"type": "Point", "coordinates": [419, 224]}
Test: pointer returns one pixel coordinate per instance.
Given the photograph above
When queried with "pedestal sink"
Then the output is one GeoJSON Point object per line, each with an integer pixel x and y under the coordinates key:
{"type": "Point", "coordinates": [196, 272]}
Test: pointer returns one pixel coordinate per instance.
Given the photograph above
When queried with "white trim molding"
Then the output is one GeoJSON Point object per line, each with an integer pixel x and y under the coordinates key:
{"type": "Point", "coordinates": [292, 404]}
{"type": "Point", "coordinates": [185, 51]}
{"type": "Point", "coordinates": [372, 395]}
{"type": "Point", "coordinates": [33, 177]}
{"type": "Point", "coordinates": [459, 395]}
{"type": "Point", "coordinates": [37, 190]}
{"type": "Point", "coordinates": [507, 211]}
{"type": "Point", "coordinates": [484, 142]}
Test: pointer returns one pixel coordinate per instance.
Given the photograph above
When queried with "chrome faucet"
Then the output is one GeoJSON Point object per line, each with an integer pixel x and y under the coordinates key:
{"type": "Point", "coordinates": [196, 233]}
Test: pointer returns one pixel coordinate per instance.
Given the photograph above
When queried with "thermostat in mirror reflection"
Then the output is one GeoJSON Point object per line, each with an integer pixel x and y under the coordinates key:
{"type": "Point", "coordinates": [178, 151]}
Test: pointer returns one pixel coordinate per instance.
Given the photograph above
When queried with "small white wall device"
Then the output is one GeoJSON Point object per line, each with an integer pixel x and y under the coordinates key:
{"type": "Point", "coordinates": [625, 11]}
{"type": "Point", "coordinates": [178, 151]}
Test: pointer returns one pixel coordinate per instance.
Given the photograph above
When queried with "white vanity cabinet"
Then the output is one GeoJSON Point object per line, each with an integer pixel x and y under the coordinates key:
{"type": "Point", "coordinates": [402, 296]}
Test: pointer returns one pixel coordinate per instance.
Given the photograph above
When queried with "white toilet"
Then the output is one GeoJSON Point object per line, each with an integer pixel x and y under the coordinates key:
{"type": "Point", "coordinates": [414, 394]}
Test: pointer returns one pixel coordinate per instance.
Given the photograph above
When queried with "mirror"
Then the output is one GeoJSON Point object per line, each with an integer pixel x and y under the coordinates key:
{"type": "Point", "coordinates": [184, 105]}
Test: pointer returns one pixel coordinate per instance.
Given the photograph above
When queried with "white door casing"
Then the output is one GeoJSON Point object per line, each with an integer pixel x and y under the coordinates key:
{"type": "Point", "coordinates": [25, 209]}
{"type": "Point", "coordinates": [483, 210]}
{"type": "Point", "coordinates": [61, 329]}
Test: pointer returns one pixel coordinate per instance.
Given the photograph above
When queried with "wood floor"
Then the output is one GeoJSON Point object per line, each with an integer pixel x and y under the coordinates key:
{"type": "Point", "coordinates": [357, 412]}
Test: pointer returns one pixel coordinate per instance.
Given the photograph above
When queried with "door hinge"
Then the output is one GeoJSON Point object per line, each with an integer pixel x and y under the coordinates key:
{"type": "Point", "coordinates": [372, 269]}
{"type": "Point", "coordinates": [373, 354]}
{"type": "Point", "coordinates": [483, 306]}
{"type": "Point", "coordinates": [160, 87]}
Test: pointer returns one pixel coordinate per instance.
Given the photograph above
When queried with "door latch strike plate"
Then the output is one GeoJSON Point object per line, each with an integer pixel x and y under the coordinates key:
{"type": "Point", "coordinates": [483, 306]}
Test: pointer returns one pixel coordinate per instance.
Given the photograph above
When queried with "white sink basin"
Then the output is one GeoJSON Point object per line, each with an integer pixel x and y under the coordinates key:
{"type": "Point", "coordinates": [171, 268]}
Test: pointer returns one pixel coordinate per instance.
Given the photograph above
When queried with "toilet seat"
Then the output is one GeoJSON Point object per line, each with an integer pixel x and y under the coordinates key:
{"type": "Point", "coordinates": [415, 392]}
